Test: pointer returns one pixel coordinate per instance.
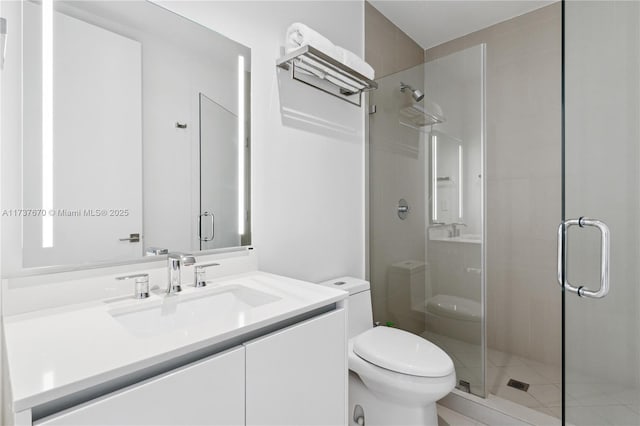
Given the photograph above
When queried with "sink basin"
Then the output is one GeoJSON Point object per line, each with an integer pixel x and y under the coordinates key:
{"type": "Point", "coordinates": [229, 305]}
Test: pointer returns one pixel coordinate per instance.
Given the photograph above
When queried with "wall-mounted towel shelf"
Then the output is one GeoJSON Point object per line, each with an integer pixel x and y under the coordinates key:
{"type": "Point", "coordinates": [310, 66]}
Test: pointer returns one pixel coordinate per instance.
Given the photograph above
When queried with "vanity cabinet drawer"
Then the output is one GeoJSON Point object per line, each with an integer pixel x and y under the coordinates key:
{"type": "Point", "coordinates": [208, 392]}
{"type": "Point", "coordinates": [298, 375]}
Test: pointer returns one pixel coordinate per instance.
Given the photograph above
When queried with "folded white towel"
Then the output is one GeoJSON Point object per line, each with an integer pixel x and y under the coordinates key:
{"type": "Point", "coordinates": [301, 35]}
{"type": "Point", "coordinates": [352, 60]}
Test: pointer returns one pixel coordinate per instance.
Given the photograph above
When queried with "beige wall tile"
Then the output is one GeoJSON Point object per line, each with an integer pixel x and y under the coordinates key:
{"type": "Point", "coordinates": [523, 167]}
{"type": "Point", "coordinates": [523, 180]}
{"type": "Point", "coordinates": [387, 48]}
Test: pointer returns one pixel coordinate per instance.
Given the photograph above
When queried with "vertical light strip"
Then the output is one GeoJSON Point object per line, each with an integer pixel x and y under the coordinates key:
{"type": "Point", "coordinates": [241, 143]}
{"type": "Point", "coordinates": [434, 178]}
{"type": "Point", "coordinates": [47, 122]}
{"type": "Point", "coordinates": [460, 181]}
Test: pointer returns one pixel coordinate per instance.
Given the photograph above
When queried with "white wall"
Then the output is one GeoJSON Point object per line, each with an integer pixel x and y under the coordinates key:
{"type": "Point", "coordinates": [307, 146]}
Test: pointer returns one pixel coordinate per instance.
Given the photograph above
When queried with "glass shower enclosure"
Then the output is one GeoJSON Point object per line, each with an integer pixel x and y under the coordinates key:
{"type": "Point", "coordinates": [601, 191]}
{"type": "Point", "coordinates": [426, 185]}
{"type": "Point", "coordinates": [427, 224]}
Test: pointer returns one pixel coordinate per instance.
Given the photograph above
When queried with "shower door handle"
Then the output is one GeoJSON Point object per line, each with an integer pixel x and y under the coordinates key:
{"type": "Point", "coordinates": [210, 237]}
{"type": "Point", "coordinates": [605, 238]}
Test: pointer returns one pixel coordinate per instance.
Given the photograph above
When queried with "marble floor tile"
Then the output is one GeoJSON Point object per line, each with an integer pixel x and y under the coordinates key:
{"type": "Point", "coordinates": [589, 400]}
{"type": "Point", "coordinates": [547, 395]}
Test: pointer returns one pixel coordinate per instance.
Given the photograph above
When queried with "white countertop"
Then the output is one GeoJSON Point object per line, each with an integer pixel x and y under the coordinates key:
{"type": "Point", "coordinates": [57, 352]}
{"type": "Point", "coordinates": [469, 238]}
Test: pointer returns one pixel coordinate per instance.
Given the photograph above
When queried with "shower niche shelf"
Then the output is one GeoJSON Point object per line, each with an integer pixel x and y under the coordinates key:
{"type": "Point", "coordinates": [420, 116]}
{"type": "Point", "coordinates": [310, 66]}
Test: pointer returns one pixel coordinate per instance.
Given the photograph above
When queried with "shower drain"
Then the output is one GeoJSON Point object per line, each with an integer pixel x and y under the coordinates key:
{"type": "Point", "coordinates": [518, 385]}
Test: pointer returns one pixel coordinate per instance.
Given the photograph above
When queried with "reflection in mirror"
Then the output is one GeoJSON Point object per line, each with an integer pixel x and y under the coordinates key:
{"type": "Point", "coordinates": [136, 134]}
{"type": "Point", "coordinates": [456, 83]}
{"type": "Point", "coordinates": [455, 244]}
{"type": "Point", "coordinates": [446, 178]}
{"type": "Point", "coordinates": [221, 162]}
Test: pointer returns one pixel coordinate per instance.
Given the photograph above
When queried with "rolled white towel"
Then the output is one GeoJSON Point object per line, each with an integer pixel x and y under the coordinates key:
{"type": "Point", "coordinates": [352, 60]}
{"type": "Point", "coordinates": [301, 35]}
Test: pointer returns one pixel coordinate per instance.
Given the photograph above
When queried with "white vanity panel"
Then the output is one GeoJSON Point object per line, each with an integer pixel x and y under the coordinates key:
{"type": "Point", "coordinates": [297, 376]}
{"type": "Point", "coordinates": [208, 392]}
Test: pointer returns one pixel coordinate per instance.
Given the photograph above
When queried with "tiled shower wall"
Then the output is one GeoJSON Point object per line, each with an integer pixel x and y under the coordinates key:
{"type": "Point", "coordinates": [394, 148]}
{"type": "Point", "coordinates": [387, 48]}
{"type": "Point", "coordinates": [523, 172]}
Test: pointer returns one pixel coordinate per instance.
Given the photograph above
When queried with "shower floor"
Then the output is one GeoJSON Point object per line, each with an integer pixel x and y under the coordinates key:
{"type": "Point", "coordinates": [590, 401]}
{"type": "Point", "coordinates": [545, 381]}
{"type": "Point", "coordinates": [544, 393]}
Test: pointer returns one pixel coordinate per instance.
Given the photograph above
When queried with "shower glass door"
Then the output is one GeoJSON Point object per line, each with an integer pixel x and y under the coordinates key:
{"type": "Point", "coordinates": [425, 195]}
{"type": "Point", "coordinates": [601, 182]}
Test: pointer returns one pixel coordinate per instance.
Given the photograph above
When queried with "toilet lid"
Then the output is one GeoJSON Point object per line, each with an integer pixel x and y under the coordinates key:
{"type": "Point", "coordinates": [403, 352]}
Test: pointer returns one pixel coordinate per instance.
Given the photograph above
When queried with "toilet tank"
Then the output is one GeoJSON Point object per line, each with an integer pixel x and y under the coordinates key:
{"type": "Point", "coordinates": [360, 316]}
{"type": "Point", "coordinates": [408, 286]}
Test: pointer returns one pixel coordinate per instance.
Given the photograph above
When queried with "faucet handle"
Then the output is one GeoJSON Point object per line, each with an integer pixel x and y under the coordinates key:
{"type": "Point", "coordinates": [199, 279]}
{"type": "Point", "coordinates": [141, 289]}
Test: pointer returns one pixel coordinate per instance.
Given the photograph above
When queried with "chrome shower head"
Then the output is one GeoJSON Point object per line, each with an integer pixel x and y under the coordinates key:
{"type": "Point", "coordinates": [415, 93]}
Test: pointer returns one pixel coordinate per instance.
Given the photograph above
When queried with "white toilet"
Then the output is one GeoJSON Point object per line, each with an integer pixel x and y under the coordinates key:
{"type": "Point", "coordinates": [395, 377]}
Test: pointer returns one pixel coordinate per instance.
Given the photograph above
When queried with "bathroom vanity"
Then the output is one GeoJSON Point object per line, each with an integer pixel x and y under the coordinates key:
{"type": "Point", "coordinates": [249, 348]}
{"type": "Point", "coordinates": [174, 174]}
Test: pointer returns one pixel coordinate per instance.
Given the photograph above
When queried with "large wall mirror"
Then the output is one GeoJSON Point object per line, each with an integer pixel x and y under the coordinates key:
{"type": "Point", "coordinates": [135, 135]}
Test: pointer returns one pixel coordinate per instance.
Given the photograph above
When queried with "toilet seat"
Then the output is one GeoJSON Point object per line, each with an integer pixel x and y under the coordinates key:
{"type": "Point", "coordinates": [402, 352]}
{"type": "Point", "coordinates": [404, 389]}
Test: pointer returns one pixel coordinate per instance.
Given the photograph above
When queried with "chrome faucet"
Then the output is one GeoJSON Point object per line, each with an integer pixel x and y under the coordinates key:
{"type": "Point", "coordinates": [175, 262]}
{"type": "Point", "coordinates": [455, 229]}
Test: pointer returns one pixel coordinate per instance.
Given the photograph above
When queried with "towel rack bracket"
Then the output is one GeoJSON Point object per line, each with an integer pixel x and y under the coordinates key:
{"type": "Point", "coordinates": [338, 70]}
